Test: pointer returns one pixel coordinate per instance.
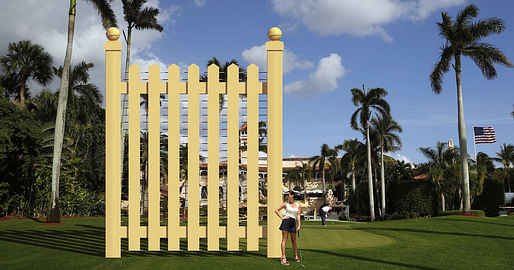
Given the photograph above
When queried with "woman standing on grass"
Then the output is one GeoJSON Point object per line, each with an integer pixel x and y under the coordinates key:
{"type": "Point", "coordinates": [288, 226]}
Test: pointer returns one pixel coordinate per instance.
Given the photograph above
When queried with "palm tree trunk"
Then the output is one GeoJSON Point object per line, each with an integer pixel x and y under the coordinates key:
{"type": "Point", "coordinates": [443, 203]}
{"type": "Point", "coordinates": [323, 174]}
{"type": "Point", "coordinates": [507, 177]}
{"type": "Point", "coordinates": [22, 92]}
{"type": "Point", "coordinates": [382, 183]}
{"type": "Point", "coordinates": [370, 176]}
{"type": "Point", "coordinates": [53, 213]}
{"type": "Point", "coordinates": [462, 137]}
{"type": "Point", "coordinates": [124, 113]}
{"type": "Point", "coordinates": [353, 178]}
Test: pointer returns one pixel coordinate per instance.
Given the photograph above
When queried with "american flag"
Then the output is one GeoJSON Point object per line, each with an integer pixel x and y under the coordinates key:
{"type": "Point", "coordinates": [484, 135]}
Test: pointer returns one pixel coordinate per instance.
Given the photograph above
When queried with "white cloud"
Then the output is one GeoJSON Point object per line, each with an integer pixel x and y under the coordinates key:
{"type": "Point", "coordinates": [324, 79]}
{"type": "Point", "coordinates": [45, 23]}
{"type": "Point", "coordinates": [359, 18]}
{"type": "Point", "coordinates": [404, 159]}
{"type": "Point", "coordinates": [257, 55]}
{"type": "Point", "coordinates": [200, 3]}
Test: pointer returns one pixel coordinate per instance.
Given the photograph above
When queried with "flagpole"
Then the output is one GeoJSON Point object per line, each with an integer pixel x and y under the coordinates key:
{"type": "Point", "coordinates": [474, 142]}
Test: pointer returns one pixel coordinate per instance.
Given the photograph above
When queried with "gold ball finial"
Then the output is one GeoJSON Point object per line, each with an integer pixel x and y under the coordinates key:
{"type": "Point", "coordinates": [274, 33]}
{"type": "Point", "coordinates": [112, 33]}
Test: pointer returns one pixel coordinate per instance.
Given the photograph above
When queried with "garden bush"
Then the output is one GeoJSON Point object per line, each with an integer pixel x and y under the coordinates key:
{"type": "Point", "coordinates": [492, 197]}
{"type": "Point", "coordinates": [411, 199]}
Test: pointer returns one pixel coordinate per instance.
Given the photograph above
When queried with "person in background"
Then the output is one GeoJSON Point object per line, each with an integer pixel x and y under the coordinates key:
{"type": "Point", "coordinates": [323, 211]}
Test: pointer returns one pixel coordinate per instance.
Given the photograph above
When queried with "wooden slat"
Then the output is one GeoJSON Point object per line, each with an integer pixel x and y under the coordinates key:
{"type": "Point", "coordinates": [193, 175]}
{"type": "Point", "coordinates": [252, 175]}
{"type": "Point", "coordinates": [213, 157]}
{"type": "Point", "coordinates": [134, 89]}
{"type": "Point", "coordinates": [155, 87]}
{"type": "Point", "coordinates": [233, 229]}
{"type": "Point", "coordinates": [175, 87]}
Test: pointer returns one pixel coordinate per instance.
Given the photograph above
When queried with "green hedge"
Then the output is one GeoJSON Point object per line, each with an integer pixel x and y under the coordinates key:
{"type": "Point", "coordinates": [460, 212]}
{"type": "Point", "coordinates": [492, 197]}
{"type": "Point", "coordinates": [411, 199]}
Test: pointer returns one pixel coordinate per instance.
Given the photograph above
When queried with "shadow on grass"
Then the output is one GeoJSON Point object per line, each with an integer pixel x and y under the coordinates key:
{"type": "Point", "coordinates": [475, 220]}
{"type": "Point", "coordinates": [434, 232]}
{"type": "Point", "coordinates": [399, 264]}
{"type": "Point", "coordinates": [90, 240]}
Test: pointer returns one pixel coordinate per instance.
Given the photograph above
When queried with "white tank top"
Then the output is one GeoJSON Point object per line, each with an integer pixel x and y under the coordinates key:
{"type": "Point", "coordinates": [290, 211]}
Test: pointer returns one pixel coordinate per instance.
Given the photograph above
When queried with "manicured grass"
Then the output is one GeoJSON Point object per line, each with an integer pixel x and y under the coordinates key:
{"type": "Point", "coordinates": [449, 242]}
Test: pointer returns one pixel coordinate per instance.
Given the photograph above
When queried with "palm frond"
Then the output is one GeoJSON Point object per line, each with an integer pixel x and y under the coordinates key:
{"type": "Point", "coordinates": [466, 15]}
{"type": "Point", "coordinates": [106, 13]}
{"type": "Point", "coordinates": [441, 67]}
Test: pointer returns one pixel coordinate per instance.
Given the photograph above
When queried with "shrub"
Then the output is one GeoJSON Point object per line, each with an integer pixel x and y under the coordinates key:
{"type": "Point", "coordinates": [492, 197]}
{"type": "Point", "coordinates": [413, 199]}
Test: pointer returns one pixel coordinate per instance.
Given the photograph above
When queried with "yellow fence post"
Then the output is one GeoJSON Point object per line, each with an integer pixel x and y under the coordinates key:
{"type": "Point", "coordinates": [213, 129]}
{"type": "Point", "coordinates": [175, 87]}
{"type": "Point", "coordinates": [252, 179]}
{"type": "Point", "coordinates": [135, 87]}
{"type": "Point", "coordinates": [274, 50]}
{"type": "Point", "coordinates": [155, 88]}
{"type": "Point", "coordinates": [112, 144]}
{"type": "Point", "coordinates": [193, 155]}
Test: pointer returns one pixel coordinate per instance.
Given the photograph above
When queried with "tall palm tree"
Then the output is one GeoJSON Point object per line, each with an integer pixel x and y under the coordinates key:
{"type": "Point", "coordinates": [353, 149]}
{"type": "Point", "coordinates": [138, 18]}
{"type": "Point", "coordinates": [108, 19]}
{"type": "Point", "coordinates": [506, 157]}
{"type": "Point", "coordinates": [25, 61]}
{"type": "Point", "coordinates": [463, 37]}
{"type": "Point", "coordinates": [369, 100]}
{"type": "Point", "coordinates": [386, 130]}
{"type": "Point", "coordinates": [321, 160]}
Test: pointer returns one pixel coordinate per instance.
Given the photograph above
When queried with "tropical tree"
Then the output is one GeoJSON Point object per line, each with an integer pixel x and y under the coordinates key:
{"type": "Point", "coordinates": [440, 159]}
{"type": "Point", "coordinates": [463, 38]}
{"type": "Point", "coordinates": [108, 19]}
{"type": "Point", "coordinates": [506, 157]}
{"type": "Point", "coordinates": [386, 131]}
{"type": "Point", "coordinates": [321, 160]}
{"type": "Point", "coordinates": [368, 101]}
{"type": "Point", "coordinates": [484, 168]}
{"type": "Point", "coordinates": [305, 172]}
{"type": "Point", "coordinates": [25, 61]}
{"type": "Point", "coordinates": [354, 151]}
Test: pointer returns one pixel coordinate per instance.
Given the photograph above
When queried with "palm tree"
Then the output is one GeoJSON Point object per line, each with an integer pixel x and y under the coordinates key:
{"type": "Point", "coordinates": [25, 61]}
{"type": "Point", "coordinates": [305, 172]}
{"type": "Point", "coordinates": [108, 19]}
{"type": "Point", "coordinates": [320, 160]}
{"type": "Point", "coordinates": [386, 129]}
{"type": "Point", "coordinates": [353, 149]}
{"type": "Point", "coordinates": [484, 168]}
{"type": "Point", "coordinates": [371, 100]}
{"type": "Point", "coordinates": [462, 37]}
{"type": "Point", "coordinates": [440, 159]}
{"type": "Point", "coordinates": [506, 157]}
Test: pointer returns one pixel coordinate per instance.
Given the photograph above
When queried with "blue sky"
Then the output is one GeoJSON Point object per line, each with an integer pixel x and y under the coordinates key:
{"type": "Point", "coordinates": [331, 47]}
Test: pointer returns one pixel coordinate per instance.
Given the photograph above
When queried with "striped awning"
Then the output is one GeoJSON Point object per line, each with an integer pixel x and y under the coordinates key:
{"type": "Point", "coordinates": [314, 188]}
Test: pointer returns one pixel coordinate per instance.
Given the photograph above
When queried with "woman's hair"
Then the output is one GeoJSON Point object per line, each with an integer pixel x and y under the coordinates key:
{"type": "Point", "coordinates": [290, 192]}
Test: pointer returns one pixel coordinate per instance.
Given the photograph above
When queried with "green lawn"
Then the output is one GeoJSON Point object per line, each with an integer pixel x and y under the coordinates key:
{"type": "Point", "coordinates": [450, 242]}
